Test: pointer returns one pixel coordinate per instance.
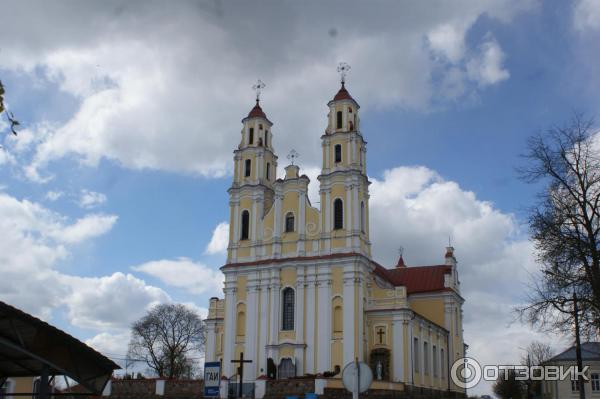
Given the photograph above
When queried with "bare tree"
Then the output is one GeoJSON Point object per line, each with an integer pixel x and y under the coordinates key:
{"type": "Point", "coordinates": [166, 338]}
{"type": "Point", "coordinates": [536, 353]}
{"type": "Point", "coordinates": [507, 387]}
{"type": "Point", "coordinates": [565, 227]}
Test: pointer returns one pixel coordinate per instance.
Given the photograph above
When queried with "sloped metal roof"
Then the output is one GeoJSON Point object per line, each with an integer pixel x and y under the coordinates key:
{"type": "Point", "coordinates": [29, 345]}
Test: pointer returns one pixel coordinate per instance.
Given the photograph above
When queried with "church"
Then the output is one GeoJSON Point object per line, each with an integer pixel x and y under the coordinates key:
{"type": "Point", "coordinates": [303, 296]}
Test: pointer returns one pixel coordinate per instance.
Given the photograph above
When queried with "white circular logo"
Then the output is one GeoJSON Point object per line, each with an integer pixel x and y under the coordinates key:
{"type": "Point", "coordinates": [466, 372]}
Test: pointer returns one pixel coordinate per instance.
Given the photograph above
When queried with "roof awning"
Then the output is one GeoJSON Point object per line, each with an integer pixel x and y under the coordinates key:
{"type": "Point", "coordinates": [30, 347]}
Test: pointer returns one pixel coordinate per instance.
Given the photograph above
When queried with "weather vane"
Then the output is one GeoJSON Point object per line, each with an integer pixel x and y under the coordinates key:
{"type": "Point", "coordinates": [343, 69]}
{"type": "Point", "coordinates": [293, 155]}
{"type": "Point", "coordinates": [258, 87]}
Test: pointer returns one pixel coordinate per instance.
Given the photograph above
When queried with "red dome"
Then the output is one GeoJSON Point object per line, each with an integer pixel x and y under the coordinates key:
{"type": "Point", "coordinates": [257, 112]}
{"type": "Point", "coordinates": [343, 94]}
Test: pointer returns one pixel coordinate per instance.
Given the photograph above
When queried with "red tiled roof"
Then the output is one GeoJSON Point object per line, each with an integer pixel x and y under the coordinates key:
{"type": "Point", "coordinates": [257, 112]}
{"type": "Point", "coordinates": [342, 94]}
{"type": "Point", "coordinates": [415, 278]}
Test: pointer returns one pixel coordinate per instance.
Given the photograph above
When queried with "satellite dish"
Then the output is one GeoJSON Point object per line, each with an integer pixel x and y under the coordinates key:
{"type": "Point", "coordinates": [357, 377]}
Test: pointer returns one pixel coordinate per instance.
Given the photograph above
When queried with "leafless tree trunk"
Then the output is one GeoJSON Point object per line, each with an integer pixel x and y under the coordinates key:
{"type": "Point", "coordinates": [165, 338]}
{"type": "Point", "coordinates": [565, 227]}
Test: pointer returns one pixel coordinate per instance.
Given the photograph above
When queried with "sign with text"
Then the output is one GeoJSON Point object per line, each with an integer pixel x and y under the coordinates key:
{"type": "Point", "coordinates": [212, 378]}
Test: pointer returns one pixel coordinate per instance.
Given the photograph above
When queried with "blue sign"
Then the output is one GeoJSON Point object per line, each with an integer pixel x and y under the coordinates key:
{"type": "Point", "coordinates": [212, 378]}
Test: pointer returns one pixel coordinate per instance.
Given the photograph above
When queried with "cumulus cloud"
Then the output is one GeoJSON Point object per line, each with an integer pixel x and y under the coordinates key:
{"type": "Point", "coordinates": [152, 95]}
{"type": "Point", "coordinates": [219, 241]}
{"type": "Point", "coordinates": [586, 15]}
{"type": "Point", "coordinates": [33, 243]}
{"type": "Point", "coordinates": [486, 68]}
{"type": "Point", "coordinates": [414, 207]}
{"type": "Point", "coordinates": [91, 199]}
{"type": "Point", "coordinates": [94, 301]}
{"type": "Point", "coordinates": [54, 195]}
{"type": "Point", "coordinates": [184, 273]}
{"type": "Point", "coordinates": [85, 228]}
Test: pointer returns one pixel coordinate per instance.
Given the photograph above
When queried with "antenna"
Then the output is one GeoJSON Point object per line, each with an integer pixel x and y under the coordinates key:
{"type": "Point", "coordinates": [343, 69]}
{"type": "Point", "coordinates": [257, 87]}
{"type": "Point", "coordinates": [293, 155]}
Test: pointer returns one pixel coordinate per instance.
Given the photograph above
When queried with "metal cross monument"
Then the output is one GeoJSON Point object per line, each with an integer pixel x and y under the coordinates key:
{"type": "Point", "coordinates": [343, 69]}
{"type": "Point", "coordinates": [293, 155]}
{"type": "Point", "coordinates": [258, 88]}
{"type": "Point", "coordinates": [241, 361]}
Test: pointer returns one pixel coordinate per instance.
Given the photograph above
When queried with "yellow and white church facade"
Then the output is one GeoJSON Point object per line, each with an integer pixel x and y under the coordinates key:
{"type": "Point", "coordinates": [303, 295]}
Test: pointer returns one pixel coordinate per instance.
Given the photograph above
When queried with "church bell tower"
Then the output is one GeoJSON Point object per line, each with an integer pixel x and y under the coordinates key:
{"type": "Point", "coordinates": [344, 186]}
{"type": "Point", "coordinates": [251, 193]}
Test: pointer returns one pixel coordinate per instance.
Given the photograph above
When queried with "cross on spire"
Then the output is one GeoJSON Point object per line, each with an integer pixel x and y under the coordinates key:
{"type": "Point", "coordinates": [257, 87]}
{"type": "Point", "coordinates": [400, 251]}
{"type": "Point", "coordinates": [343, 69]}
{"type": "Point", "coordinates": [293, 155]}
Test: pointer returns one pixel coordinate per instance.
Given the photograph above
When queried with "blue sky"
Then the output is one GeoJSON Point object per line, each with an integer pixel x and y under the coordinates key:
{"type": "Point", "coordinates": [115, 186]}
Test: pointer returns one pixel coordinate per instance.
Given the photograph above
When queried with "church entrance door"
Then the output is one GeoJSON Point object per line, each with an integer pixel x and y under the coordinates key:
{"type": "Point", "coordinates": [286, 368]}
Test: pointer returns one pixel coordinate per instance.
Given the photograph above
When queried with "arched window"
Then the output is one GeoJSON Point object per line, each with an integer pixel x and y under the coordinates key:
{"type": "Point", "coordinates": [362, 217]}
{"type": "Point", "coordinates": [240, 326]}
{"type": "Point", "coordinates": [338, 319]}
{"type": "Point", "coordinates": [266, 137]}
{"type": "Point", "coordinates": [289, 222]}
{"type": "Point", "coordinates": [247, 167]}
{"type": "Point", "coordinates": [245, 225]}
{"type": "Point", "coordinates": [338, 214]}
{"type": "Point", "coordinates": [251, 136]}
{"type": "Point", "coordinates": [338, 153]}
{"type": "Point", "coordinates": [339, 119]}
{"type": "Point", "coordinates": [288, 309]}
{"type": "Point", "coordinates": [268, 172]}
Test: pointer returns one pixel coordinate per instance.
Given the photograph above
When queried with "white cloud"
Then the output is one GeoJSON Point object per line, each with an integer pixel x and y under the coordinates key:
{"type": "Point", "coordinates": [111, 344]}
{"type": "Point", "coordinates": [91, 199]}
{"type": "Point", "coordinates": [54, 195]}
{"type": "Point", "coordinates": [113, 301]}
{"type": "Point", "coordinates": [414, 207]}
{"type": "Point", "coordinates": [164, 96]}
{"type": "Point", "coordinates": [486, 68]}
{"type": "Point", "coordinates": [184, 273]}
{"type": "Point", "coordinates": [219, 241]}
{"type": "Point", "coordinates": [85, 228]}
{"type": "Point", "coordinates": [586, 15]}
{"type": "Point", "coordinates": [33, 243]}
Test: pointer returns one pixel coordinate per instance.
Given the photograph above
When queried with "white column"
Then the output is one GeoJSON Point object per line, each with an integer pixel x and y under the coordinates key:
{"type": "Point", "coordinates": [349, 225]}
{"type": "Point", "coordinates": [430, 354]}
{"type": "Point", "coordinates": [398, 348]}
{"type": "Point", "coordinates": [211, 341]}
{"type": "Point", "coordinates": [254, 227]}
{"type": "Point", "coordinates": [361, 314]}
{"type": "Point", "coordinates": [299, 322]}
{"type": "Point", "coordinates": [236, 228]}
{"type": "Point", "coordinates": [409, 325]}
{"type": "Point", "coordinates": [310, 320]}
{"type": "Point", "coordinates": [421, 355]}
{"type": "Point", "coordinates": [301, 223]}
{"type": "Point", "coordinates": [275, 319]}
{"type": "Point", "coordinates": [261, 355]}
{"type": "Point", "coordinates": [277, 225]}
{"type": "Point", "coordinates": [357, 220]}
{"type": "Point", "coordinates": [251, 326]}
{"type": "Point", "coordinates": [324, 317]}
{"type": "Point", "coordinates": [229, 338]}
{"type": "Point", "coordinates": [348, 314]}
